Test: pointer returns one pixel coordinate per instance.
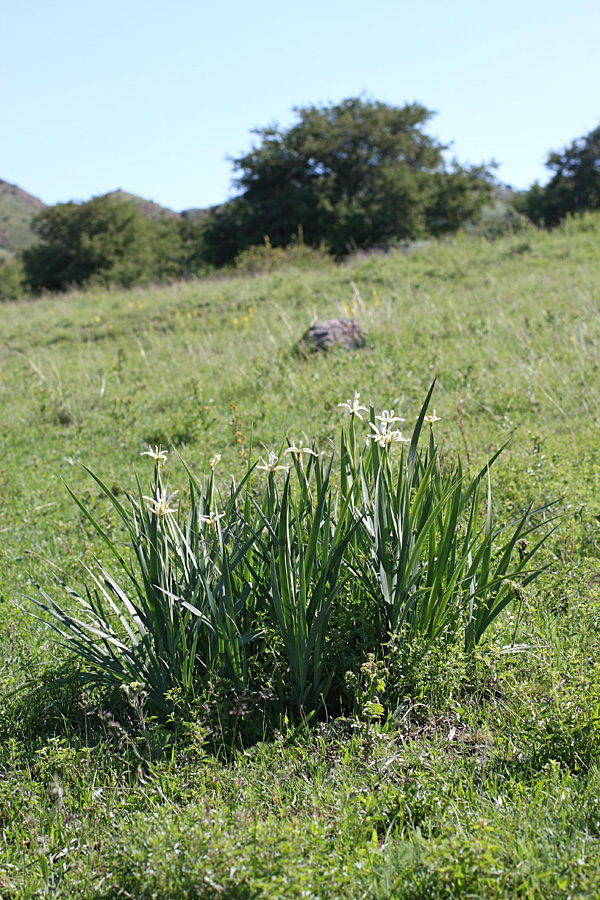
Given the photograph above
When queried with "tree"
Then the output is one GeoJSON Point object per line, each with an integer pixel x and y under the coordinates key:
{"type": "Point", "coordinates": [108, 241]}
{"type": "Point", "coordinates": [574, 186]}
{"type": "Point", "coordinates": [357, 174]}
{"type": "Point", "coordinates": [103, 239]}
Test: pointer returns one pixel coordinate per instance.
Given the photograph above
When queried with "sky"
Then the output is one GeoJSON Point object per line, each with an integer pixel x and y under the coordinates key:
{"type": "Point", "coordinates": [156, 98]}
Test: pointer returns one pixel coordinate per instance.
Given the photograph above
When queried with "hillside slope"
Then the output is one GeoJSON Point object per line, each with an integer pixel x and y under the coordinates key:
{"type": "Point", "coordinates": [148, 208]}
{"type": "Point", "coordinates": [480, 776]}
{"type": "Point", "coordinates": [153, 210]}
{"type": "Point", "coordinates": [17, 209]}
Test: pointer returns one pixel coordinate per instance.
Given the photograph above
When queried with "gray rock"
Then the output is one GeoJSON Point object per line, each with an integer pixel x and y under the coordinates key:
{"type": "Point", "coordinates": [346, 333]}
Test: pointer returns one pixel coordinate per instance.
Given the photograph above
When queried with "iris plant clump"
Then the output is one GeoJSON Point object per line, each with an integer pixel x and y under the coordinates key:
{"type": "Point", "coordinates": [241, 586]}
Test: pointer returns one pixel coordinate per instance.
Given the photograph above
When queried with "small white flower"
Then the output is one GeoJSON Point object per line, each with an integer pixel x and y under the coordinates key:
{"type": "Point", "coordinates": [353, 407]}
{"type": "Point", "coordinates": [159, 456]}
{"type": "Point", "coordinates": [384, 437]}
{"type": "Point", "coordinates": [212, 518]}
{"type": "Point", "coordinates": [299, 450]}
{"type": "Point", "coordinates": [214, 460]}
{"type": "Point", "coordinates": [388, 418]}
{"type": "Point", "coordinates": [431, 419]}
{"type": "Point", "coordinates": [271, 466]}
{"type": "Point", "coordinates": [160, 506]}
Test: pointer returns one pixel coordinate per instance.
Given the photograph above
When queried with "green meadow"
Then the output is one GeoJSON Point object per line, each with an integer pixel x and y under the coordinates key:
{"type": "Point", "coordinates": [434, 772]}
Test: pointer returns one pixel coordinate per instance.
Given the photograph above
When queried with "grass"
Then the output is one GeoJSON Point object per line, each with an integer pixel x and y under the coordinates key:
{"type": "Point", "coordinates": [484, 782]}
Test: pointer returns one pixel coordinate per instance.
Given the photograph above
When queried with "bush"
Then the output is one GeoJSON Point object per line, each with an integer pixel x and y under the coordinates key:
{"type": "Point", "coordinates": [574, 186]}
{"type": "Point", "coordinates": [266, 258]}
{"type": "Point", "coordinates": [261, 258]}
{"type": "Point", "coordinates": [498, 221]}
{"type": "Point", "coordinates": [584, 223]}
{"type": "Point", "coordinates": [108, 242]}
{"type": "Point", "coordinates": [12, 280]}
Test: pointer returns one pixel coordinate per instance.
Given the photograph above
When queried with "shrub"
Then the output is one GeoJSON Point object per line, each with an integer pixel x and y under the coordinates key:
{"type": "Point", "coordinates": [574, 187]}
{"type": "Point", "coordinates": [12, 281]}
{"type": "Point", "coordinates": [108, 242]}
{"type": "Point", "coordinates": [260, 258]}
{"type": "Point", "coordinates": [498, 221]}
{"type": "Point", "coordinates": [265, 258]}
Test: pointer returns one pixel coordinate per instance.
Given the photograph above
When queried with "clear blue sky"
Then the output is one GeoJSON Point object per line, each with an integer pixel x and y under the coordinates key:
{"type": "Point", "coordinates": [153, 96]}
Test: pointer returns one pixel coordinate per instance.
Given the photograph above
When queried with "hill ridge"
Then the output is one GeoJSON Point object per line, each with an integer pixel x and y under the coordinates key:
{"type": "Point", "coordinates": [17, 209]}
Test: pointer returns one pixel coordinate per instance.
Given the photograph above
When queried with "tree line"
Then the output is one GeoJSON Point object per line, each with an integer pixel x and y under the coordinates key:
{"type": "Point", "coordinates": [573, 188]}
{"type": "Point", "coordinates": [351, 176]}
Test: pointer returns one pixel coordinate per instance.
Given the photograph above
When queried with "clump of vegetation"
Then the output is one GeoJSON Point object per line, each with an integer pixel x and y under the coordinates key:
{"type": "Point", "coordinates": [356, 175]}
{"type": "Point", "coordinates": [107, 242]}
{"type": "Point", "coordinates": [401, 549]}
{"type": "Point", "coordinates": [13, 284]}
{"type": "Point", "coordinates": [260, 258]}
{"type": "Point", "coordinates": [574, 187]}
{"type": "Point", "coordinates": [265, 258]}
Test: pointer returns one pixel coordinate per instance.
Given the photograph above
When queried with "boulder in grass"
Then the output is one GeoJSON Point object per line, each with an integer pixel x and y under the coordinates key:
{"type": "Point", "coordinates": [346, 333]}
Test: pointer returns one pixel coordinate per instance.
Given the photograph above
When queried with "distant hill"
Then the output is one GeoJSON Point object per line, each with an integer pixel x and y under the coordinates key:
{"type": "Point", "coordinates": [148, 208]}
{"type": "Point", "coordinates": [154, 211]}
{"type": "Point", "coordinates": [17, 209]}
{"type": "Point", "coordinates": [197, 215]}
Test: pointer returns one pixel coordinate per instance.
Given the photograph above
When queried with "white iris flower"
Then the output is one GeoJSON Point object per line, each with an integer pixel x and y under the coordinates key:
{"type": "Point", "coordinates": [160, 505]}
{"type": "Point", "coordinates": [159, 456]}
{"type": "Point", "coordinates": [353, 407]}
{"type": "Point", "coordinates": [271, 466]}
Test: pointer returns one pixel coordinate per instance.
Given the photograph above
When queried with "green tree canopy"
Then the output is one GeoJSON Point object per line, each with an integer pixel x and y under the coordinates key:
{"type": "Point", "coordinates": [574, 186]}
{"type": "Point", "coordinates": [357, 174]}
{"type": "Point", "coordinates": [107, 241]}
{"type": "Point", "coordinates": [79, 241]}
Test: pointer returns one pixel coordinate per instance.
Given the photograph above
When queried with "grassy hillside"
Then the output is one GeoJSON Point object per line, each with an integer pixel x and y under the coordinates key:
{"type": "Point", "coordinates": [154, 211]}
{"type": "Point", "coordinates": [17, 209]}
{"type": "Point", "coordinates": [147, 207]}
{"type": "Point", "coordinates": [484, 781]}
